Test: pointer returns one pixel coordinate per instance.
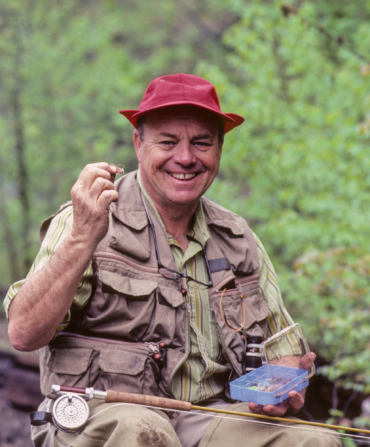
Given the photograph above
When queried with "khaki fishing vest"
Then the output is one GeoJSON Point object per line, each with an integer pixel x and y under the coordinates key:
{"type": "Point", "coordinates": [133, 334]}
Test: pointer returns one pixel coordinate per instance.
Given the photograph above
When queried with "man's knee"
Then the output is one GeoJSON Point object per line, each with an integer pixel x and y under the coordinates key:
{"type": "Point", "coordinates": [117, 425]}
{"type": "Point", "coordinates": [132, 426]}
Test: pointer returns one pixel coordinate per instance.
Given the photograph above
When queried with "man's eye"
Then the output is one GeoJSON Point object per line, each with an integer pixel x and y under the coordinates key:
{"type": "Point", "coordinates": [202, 144]}
{"type": "Point", "coordinates": [167, 142]}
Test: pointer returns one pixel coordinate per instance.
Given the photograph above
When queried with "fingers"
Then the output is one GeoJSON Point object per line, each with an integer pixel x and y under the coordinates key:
{"type": "Point", "coordinates": [293, 404]}
{"type": "Point", "coordinates": [106, 198]}
{"type": "Point", "coordinates": [254, 408]}
{"type": "Point", "coordinates": [257, 409]}
{"type": "Point", "coordinates": [93, 171]}
{"type": "Point", "coordinates": [93, 180]}
{"type": "Point", "coordinates": [276, 410]}
{"type": "Point", "coordinates": [99, 186]}
{"type": "Point", "coordinates": [91, 196]}
{"type": "Point", "coordinates": [270, 410]}
{"type": "Point", "coordinates": [296, 400]}
{"type": "Point", "coordinates": [307, 360]}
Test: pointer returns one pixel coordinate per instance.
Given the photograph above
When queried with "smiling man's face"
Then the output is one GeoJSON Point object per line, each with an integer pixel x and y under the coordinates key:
{"type": "Point", "coordinates": [179, 156]}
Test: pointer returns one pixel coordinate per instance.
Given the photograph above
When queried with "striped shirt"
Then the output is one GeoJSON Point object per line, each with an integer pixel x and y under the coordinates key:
{"type": "Point", "coordinates": [204, 372]}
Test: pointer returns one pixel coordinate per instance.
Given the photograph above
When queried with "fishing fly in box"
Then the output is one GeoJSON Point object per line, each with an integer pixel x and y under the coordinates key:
{"type": "Point", "coordinates": [286, 367]}
{"type": "Point", "coordinates": [268, 384]}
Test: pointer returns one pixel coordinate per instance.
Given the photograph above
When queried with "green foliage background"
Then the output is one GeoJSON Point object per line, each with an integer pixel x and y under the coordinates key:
{"type": "Point", "coordinates": [298, 169]}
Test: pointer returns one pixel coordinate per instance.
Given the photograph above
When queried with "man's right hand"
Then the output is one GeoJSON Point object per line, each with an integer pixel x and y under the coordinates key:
{"type": "Point", "coordinates": [91, 196]}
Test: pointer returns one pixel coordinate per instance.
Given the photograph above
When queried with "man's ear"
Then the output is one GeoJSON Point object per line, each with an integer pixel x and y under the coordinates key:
{"type": "Point", "coordinates": [137, 144]}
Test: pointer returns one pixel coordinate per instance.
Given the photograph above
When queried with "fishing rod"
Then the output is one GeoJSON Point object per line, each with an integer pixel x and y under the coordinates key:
{"type": "Point", "coordinates": [71, 413]}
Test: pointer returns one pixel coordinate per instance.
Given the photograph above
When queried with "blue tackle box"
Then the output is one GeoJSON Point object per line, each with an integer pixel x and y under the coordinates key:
{"type": "Point", "coordinates": [269, 384]}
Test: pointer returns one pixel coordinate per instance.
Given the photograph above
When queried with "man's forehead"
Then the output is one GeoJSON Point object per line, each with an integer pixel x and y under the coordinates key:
{"type": "Point", "coordinates": [189, 116]}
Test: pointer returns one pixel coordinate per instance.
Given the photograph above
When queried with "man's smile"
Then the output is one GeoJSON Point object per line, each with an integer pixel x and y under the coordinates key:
{"type": "Point", "coordinates": [182, 176]}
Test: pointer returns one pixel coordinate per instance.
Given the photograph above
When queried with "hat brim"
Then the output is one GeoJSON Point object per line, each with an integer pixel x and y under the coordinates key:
{"type": "Point", "coordinates": [231, 120]}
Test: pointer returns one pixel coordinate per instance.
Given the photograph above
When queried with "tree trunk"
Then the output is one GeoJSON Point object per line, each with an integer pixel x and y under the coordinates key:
{"type": "Point", "coordinates": [23, 177]}
{"type": "Point", "coordinates": [9, 240]}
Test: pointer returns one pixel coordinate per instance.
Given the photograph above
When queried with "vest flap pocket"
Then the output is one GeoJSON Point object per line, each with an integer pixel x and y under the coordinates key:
{"type": "Point", "coordinates": [127, 286]}
{"type": "Point", "coordinates": [122, 362]}
{"type": "Point", "coordinates": [257, 308]}
{"type": "Point", "coordinates": [242, 309]}
{"type": "Point", "coordinates": [173, 297]}
{"type": "Point", "coordinates": [70, 361]}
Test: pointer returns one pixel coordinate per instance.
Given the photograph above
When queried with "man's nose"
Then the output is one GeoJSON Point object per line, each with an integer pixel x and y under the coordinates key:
{"type": "Point", "coordinates": [184, 154]}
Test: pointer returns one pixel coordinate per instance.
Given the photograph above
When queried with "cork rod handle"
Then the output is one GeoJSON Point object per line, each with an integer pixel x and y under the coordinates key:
{"type": "Point", "coordinates": [151, 401]}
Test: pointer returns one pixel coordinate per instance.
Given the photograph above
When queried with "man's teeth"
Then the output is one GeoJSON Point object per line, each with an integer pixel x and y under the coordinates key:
{"type": "Point", "coordinates": [183, 176]}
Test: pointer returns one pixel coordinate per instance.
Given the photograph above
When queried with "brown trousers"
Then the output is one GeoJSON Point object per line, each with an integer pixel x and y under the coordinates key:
{"type": "Point", "coordinates": [124, 425]}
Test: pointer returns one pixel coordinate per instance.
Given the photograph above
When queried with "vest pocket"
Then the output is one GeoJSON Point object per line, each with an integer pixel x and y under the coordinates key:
{"type": "Point", "coordinates": [241, 307]}
{"type": "Point", "coordinates": [91, 362]}
{"type": "Point", "coordinates": [248, 295]}
{"type": "Point", "coordinates": [68, 366]}
{"type": "Point", "coordinates": [131, 370]}
{"type": "Point", "coordinates": [136, 289]}
{"type": "Point", "coordinates": [143, 310]}
{"type": "Point", "coordinates": [133, 301]}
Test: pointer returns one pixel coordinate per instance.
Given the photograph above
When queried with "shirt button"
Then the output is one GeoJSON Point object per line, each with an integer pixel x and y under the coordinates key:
{"type": "Point", "coordinates": [184, 292]}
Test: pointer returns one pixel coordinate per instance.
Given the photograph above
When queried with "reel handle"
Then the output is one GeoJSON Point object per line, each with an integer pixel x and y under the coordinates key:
{"type": "Point", "coordinates": [142, 399]}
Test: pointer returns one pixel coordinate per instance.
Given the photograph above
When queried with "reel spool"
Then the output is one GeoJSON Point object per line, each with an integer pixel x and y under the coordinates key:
{"type": "Point", "coordinates": [70, 413]}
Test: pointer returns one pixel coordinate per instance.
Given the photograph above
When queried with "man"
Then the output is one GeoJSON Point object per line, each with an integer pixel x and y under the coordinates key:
{"type": "Point", "coordinates": [148, 265]}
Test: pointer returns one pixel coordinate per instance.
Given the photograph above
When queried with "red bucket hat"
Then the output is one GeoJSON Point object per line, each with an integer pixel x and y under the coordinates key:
{"type": "Point", "coordinates": [181, 89]}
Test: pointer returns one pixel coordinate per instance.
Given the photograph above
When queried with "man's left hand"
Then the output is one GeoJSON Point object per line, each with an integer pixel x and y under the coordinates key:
{"type": "Point", "coordinates": [291, 405]}
{"type": "Point", "coordinates": [295, 399]}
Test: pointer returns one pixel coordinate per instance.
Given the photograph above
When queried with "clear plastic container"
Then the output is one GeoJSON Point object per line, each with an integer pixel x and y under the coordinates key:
{"type": "Point", "coordinates": [286, 367]}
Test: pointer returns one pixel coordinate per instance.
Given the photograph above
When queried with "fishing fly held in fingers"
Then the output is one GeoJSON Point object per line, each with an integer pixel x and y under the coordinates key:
{"type": "Point", "coordinates": [95, 170]}
{"type": "Point", "coordinates": [91, 196]}
{"type": "Point", "coordinates": [89, 183]}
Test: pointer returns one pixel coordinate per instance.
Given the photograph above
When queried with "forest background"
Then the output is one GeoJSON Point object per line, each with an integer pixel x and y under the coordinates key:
{"type": "Point", "coordinates": [298, 169]}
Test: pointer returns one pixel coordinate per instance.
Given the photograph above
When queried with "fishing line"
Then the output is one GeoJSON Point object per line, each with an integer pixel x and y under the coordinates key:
{"type": "Point", "coordinates": [240, 419]}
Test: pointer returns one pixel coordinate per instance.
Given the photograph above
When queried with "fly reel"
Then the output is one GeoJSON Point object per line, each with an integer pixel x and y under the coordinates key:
{"type": "Point", "coordinates": [70, 413]}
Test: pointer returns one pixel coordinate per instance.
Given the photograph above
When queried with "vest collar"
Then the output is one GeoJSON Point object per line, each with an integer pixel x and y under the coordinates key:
{"type": "Point", "coordinates": [222, 218]}
{"type": "Point", "coordinates": [129, 209]}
